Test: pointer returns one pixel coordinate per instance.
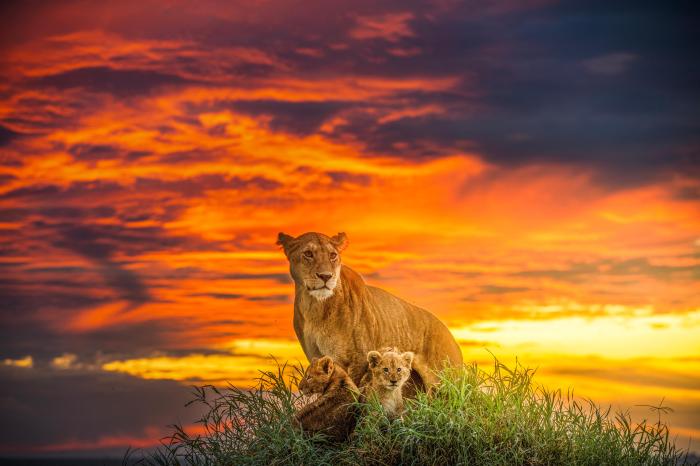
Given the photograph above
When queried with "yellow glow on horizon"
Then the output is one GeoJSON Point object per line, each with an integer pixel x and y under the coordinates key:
{"type": "Point", "coordinates": [214, 368]}
{"type": "Point", "coordinates": [619, 337]}
{"type": "Point", "coordinates": [26, 362]}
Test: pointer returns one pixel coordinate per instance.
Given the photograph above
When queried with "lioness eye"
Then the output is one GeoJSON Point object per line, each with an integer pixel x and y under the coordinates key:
{"type": "Point", "coordinates": [308, 254]}
{"type": "Point", "coordinates": [334, 255]}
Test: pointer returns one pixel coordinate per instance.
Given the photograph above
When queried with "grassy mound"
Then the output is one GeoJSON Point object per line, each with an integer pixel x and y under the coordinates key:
{"type": "Point", "coordinates": [474, 417]}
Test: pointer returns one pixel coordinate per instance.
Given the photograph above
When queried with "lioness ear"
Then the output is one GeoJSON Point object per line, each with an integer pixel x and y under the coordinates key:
{"type": "Point", "coordinates": [285, 241]}
{"type": "Point", "coordinates": [408, 357]}
{"type": "Point", "coordinates": [340, 241]}
{"type": "Point", "coordinates": [326, 364]}
{"type": "Point", "coordinates": [373, 358]}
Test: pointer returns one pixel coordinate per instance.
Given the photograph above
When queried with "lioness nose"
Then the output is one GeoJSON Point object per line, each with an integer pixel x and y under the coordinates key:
{"type": "Point", "coordinates": [324, 276]}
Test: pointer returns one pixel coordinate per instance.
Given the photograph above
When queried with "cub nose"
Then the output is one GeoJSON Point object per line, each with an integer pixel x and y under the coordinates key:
{"type": "Point", "coordinates": [324, 276]}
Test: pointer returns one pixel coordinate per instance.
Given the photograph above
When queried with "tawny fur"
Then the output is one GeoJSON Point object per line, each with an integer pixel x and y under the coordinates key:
{"type": "Point", "coordinates": [344, 318]}
{"type": "Point", "coordinates": [388, 372]}
{"type": "Point", "coordinates": [332, 412]}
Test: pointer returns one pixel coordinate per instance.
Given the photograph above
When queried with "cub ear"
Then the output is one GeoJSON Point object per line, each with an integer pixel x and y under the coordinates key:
{"type": "Point", "coordinates": [408, 358]}
{"type": "Point", "coordinates": [340, 241]}
{"type": "Point", "coordinates": [326, 363]}
{"type": "Point", "coordinates": [374, 358]}
{"type": "Point", "coordinates": [285, 241]}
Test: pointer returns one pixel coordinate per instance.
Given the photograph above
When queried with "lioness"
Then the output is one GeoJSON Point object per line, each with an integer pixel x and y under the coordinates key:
{"type": "Point", "coordinates": [337, 315]}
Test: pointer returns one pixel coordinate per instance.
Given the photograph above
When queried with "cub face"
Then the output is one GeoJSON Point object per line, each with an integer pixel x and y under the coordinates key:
{"type": "Point", "coordinates": [317, 376]}
{"type": "Point", "coordinates": [390, 369]}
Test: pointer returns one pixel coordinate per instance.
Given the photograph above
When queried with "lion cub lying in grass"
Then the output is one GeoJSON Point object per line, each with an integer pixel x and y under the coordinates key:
{"type": "Point", "coordinates": [388, 371]}
{"type": "Point", "coordinates": [331, 413]}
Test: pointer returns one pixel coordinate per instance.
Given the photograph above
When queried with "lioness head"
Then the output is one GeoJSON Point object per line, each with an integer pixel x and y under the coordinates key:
{"type": "Point", "coordinates": [390, 369]}
{"type": "Point", "coordinates": [314, 261]}
{"type": "Point", "coordinates": [317, 376]}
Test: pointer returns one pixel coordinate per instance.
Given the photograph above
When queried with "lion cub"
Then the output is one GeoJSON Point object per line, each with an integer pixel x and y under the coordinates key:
{"type": "Point", "coordinates": [331, 412]}
{"type": "Point", "coordinates": [388, 371]}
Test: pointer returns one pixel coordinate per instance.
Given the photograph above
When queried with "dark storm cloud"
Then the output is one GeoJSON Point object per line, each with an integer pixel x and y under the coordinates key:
{"type": "Point", "coordinates": [275, 298]}
{"type": "Point", "coordinates": [626, 151]}
{"type": "Point", "coordinates": [611, 88]}
{"type": "Point", "coordinates": [118, 82]}
{"type": "Point", "coordinates": [52, 222]}
{"type": "Point", "coordinates": [101, 241]}
{"type": "Point", "coordinates": [633, 376]}
{"type": "Point", "coordinates": [283, 278]}
{"type": "Point", "coordinates": [7, 135]}
{"type": "Point", "coordinates": [196, 186]}
{"type": "Point", "coordinates": [32, 191]}
{"type": "Point", "coordinates": [92, 152]}
{"type": "Point", "coordinates": [34, 313]}
{"type": "Point", "coordinates": [76, 212]}
{"type": "Point", "coordinates": [688, 193]}
{"type": "Point", "coordinates": [54, 193]}
{"type": "Point", "coordinates": [642, 266]}
{"type": "Point", "coordinates": [219, 295]}
{"type": "Point", "coordinates": [31, 333]}
{"type": "Point", "coordinates": [39, 301]}
{"type": "Point", "coordinates": [339, 177]}
{"type": "Point", "coordinates": [12, 214]}
{"type": "Point", "coordinates": [96, 152]}
{"type": "Point", "coordinates": [50, 407]}
{"type": "Point", "coordinates": [23, 301]}
{"type": "Point", "coordinates": [98, 244]}
{"type": "Point", "coordinates": [6, 178]}
{"type": "Point", "coordinates": [579, 272]}
{"type": "Point", "coordinates": [57, 213]}
{"type": "Point", "coordinates": [495, 289]}
{"type": "Point", "coordinates": [281, 298]}
{"type": "Point", "coordinates": [188, 156]}
{"type": "Point", "coordinates": [38, 113]}
{"type": "Point", "coordinates": [192, 186]}
{"type": "Point", "coordinates": [295, 117]}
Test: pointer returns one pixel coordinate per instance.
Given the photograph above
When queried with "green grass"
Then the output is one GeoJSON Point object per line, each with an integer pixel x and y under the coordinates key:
{"type": "Point", "coordinates": [474, 418]}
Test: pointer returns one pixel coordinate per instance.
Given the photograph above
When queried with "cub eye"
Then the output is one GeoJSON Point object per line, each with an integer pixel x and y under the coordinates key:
{"type": "Point", "coordinates": [398, 369]}
{"type": "Point", "coordinates": [308, 254]}
{"type": "Point", "coordinates": [334, 256]}
{"type": "Point", "coordinates": [386, 369]}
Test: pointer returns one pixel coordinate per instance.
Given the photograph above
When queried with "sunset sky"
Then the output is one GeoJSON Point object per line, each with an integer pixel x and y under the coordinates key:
{"type": "Point", "coordinates": [527, 170]}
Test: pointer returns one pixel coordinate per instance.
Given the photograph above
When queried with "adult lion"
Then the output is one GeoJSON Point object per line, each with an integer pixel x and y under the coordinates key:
{"type": "Point", "coordinates": [336, 314]}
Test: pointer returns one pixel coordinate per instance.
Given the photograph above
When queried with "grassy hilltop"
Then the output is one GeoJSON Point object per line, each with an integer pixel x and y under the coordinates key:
{"type": "Point", "coordinates": [473, 418]}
